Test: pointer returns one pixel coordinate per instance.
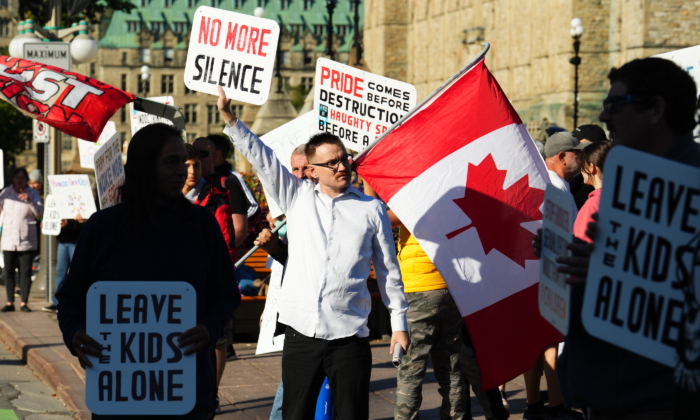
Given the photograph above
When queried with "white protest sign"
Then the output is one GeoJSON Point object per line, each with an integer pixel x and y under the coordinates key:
{"type": "Point", "coordinates": [41, 131]}
{"type": "Point", "coordinates": [689, 60]}
{"type": "Point", "coordinates": [358, 106]}
{"type": "Point", "coordinates": [141, 119]}
{"type": "Point", "coordinates": [283, 140]}
{"type": "Point", "coordinates": [51, 224]}
{"type": "Point", "coordinates": [649, 213]}
{"type": "Point", "coordinates": [87, 149]}
{"type": "Point", "coordinates": [2, 169]}
{"type": "Point", "coordinates": [231, 50]}
{"type": "Point", "coordinates": [267, 342]}
{"type": "Point", "coordinates": [556, 235]}
{"type": "Point", "coordinates": [73, 195]}
{"type": "Point", "coordinates": [109, 171]}
{"type": "Point", "coordinates": [142, 370]}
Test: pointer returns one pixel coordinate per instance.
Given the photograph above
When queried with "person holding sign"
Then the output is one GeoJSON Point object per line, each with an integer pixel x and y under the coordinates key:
{"type": "Point", "coordinates": [21, 206]}
{"type": "Point", "coordinates": [337, 232]}
{"type": "Point", "coordinates": [154, 234]}
{"type": "Point", "coordinates": [650, 107]}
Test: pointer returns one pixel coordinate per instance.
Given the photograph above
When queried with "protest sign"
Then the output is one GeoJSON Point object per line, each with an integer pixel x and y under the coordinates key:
{"type": "Point", "coordinates": [267, 342]}
{"type": "Point", "coordinates": [87, 149]}
{"type": "Point", "coordinates": [142, 371]}
{"type": "Point", "coordinates": [73, 195]}
{"type": "Point", "coordinates": [51, 224]}
{"type": "Point", "coordinates": [556, 235]}
{"type": "Point", "coordinates": [141, 119]}
{"type": "Point", "coordinates": [283, 140]}
{"type": "Point", "coordinates": [231, 50]}
{"type": "Point", "coordinates": [358, 106]}
{"type": "Point", "coordinates": [649, 214]}
{"type": "Point", "coordinates": [109, 171]}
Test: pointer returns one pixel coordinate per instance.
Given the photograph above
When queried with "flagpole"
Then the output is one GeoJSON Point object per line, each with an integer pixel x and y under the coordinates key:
{"type": "Point", "coordinates": [415, 109]}
{"type": "Point", "coordinates": [255, 248]}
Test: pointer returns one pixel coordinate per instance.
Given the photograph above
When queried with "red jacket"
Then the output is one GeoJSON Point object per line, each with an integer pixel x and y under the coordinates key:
{"type": "Point", "coordinates": [216, 198]}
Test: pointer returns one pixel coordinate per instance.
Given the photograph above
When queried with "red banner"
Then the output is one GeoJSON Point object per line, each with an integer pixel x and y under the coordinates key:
{"type": "Point", "coordinates": [75, 104]}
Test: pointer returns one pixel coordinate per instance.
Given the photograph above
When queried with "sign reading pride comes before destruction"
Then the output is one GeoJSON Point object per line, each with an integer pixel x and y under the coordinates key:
{"type": "Point", "coordinates": [231, 50]}
{"type": "Point", "coordinates": [142, 371]}
{"type": "Point", "coordinates": [358, 106]}
{"type": "Point", "coordinates": [644, 256]}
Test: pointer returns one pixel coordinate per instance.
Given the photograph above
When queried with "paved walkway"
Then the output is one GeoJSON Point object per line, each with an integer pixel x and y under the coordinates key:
{"type": "Point", "coordinates": [248, 385]}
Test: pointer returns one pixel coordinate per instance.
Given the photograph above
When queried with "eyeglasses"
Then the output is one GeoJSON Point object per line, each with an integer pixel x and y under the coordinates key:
{"type": "Point", "coordinates": [346, 160]}
{"type": "Point", "coordinates": [203, 154]}
{"type": "Point", "coordinates": [614, 104]}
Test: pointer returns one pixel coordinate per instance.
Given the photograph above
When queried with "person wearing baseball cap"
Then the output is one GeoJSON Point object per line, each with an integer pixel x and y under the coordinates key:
{"type": "Point", "coordinates": [590, 133]}
{"type": "Point", "coordinates": [561, 157]}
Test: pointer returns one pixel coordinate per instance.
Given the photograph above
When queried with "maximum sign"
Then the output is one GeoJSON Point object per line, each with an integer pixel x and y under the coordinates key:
{"type": "Point", "coordinates": [41, 132]}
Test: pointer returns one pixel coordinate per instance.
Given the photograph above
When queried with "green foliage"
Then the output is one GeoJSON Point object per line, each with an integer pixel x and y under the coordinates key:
{"type": "Point", "coordinates": [93, 13]}
{"type": "Point", "coordinates": [298, 95]}
{"type": "Point", "coordinates": [16, 131]}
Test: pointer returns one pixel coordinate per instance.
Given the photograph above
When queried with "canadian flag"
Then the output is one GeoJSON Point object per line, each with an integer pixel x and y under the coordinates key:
{"type": "Point", "coordinates": [465, 177]}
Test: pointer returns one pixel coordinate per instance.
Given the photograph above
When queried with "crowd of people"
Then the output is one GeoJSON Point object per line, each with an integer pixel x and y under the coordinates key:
{"type": "Point", "coordinates": [184, 212]}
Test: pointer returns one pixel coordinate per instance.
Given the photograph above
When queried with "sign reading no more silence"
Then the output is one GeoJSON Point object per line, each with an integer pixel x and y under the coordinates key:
{"type": "Point", "coordinates": [231, 50]}
{"type": "Point", "coordinates": [356, 105]}
{"type": "Point", "coordinates": [142, 371]}
{"type": "Point", "coordinates": [649, 217]}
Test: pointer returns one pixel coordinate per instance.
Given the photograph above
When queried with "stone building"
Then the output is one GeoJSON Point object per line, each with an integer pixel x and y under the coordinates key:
{"type": "Point", "coordinates": [156, 34]}
{"type": "Point", "coordinates": [424, 42]}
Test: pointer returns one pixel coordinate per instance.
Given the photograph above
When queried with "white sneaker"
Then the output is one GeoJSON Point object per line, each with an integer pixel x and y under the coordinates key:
{"type": "Point", "coordinates": [504, 398]}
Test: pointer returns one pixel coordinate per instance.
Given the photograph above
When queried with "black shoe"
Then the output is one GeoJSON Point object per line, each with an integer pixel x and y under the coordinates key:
{"type": "Point", "coordinates": [25, 308]}
{"type": "Point", "coordinates": [535, 411]}
{"type": "Point", "coordinates": [562, 413]}
{"type": "Point", "coordinates": [51, 308]}
{"type": "Point", "coordinates": [8, 308]}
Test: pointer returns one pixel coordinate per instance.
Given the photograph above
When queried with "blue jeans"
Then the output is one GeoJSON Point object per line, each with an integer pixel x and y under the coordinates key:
{"type": "Point", "coordinates": [276, 413]}
{"type": "Point", "coordinates": [63, 259]}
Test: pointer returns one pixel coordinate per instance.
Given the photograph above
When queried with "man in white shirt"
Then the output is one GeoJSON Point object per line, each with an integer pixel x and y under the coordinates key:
{"type": "Point", "coordinates": [324, 299]}
{"type": "Point", "coordinates": [561, 156]}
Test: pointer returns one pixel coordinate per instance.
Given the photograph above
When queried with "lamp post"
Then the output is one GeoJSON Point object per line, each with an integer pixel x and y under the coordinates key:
{"type": "Point", "coordinates": [83, 48]}
{"type": "Point", "coordinates": [330, 6]}
{"type": "Point", "coordinates": [357, 43]}
{"type": "Point", "coordinates": [576, 31]}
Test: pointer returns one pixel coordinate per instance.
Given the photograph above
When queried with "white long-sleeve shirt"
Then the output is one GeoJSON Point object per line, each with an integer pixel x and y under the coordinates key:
{"type": "Point", "coordinates": [324, 293]}
{"type": "Point", "coordinates": [19, 219]}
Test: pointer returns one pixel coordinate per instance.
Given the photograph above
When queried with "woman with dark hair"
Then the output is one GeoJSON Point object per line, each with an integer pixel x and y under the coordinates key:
{"type": "Point", "coordinates": [21, 205]}
{"type": "Point", "coordinates": [591, 161]}
{"type": "Point", "coordinates": [155, 234]}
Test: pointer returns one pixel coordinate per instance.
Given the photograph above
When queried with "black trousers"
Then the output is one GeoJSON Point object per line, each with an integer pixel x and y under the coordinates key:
{"type": "Point", "coordinates": [307, 361]}
{"type": "Point", "coordinates": [490, 400]}
{"type": "Point", "coordinates": [13, 260]}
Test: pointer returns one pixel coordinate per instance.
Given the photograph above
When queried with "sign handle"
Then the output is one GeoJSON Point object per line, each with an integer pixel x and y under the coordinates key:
{"type": "Point", "coordinates": [430, 97]}
{"type": "Point", "coordinates": [255, 248]}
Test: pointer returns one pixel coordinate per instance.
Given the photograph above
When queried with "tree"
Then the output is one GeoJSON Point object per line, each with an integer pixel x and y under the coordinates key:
{"type": "Point", "coordinates": [16, 129]}
{"type": "Point", "coordinates": [93, 12]}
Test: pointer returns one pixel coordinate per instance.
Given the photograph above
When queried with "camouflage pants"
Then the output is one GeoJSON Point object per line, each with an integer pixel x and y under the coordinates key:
{"type": "Point", "coordinates": [435, 329]}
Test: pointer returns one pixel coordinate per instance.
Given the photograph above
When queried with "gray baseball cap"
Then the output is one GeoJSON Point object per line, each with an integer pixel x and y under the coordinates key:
{"type": "Point", "coordinates": [562, 141]}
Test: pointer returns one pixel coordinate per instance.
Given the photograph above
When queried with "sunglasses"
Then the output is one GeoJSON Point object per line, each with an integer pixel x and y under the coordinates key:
{"type": "Point", "coordinates": [203, 154]}
{"type": "Point", "coordinates": [614, 104]}
{"type": "Point", "coordinates": [346, 160]}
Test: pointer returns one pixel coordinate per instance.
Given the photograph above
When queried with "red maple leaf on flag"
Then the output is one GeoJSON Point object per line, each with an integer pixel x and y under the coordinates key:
{"type": "Point", "coordinates": [497, 213]}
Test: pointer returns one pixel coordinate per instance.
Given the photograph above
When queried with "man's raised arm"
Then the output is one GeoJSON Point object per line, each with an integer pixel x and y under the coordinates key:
{"type": "Point", "coordinates": [276, 179]}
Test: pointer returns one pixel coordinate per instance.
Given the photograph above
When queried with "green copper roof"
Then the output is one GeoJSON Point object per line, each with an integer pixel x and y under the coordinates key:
{"type": "Point", "coordinates": [157, 15]}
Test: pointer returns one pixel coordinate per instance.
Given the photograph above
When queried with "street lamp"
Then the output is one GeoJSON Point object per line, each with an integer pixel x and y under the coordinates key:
{"type": "Point", "coordinates": [83, 47]}
{"type": "Point", "coordinates": [357, 42]}
{"type": "Point", "coordinates": [576, 31]}
{"type": "Point", "coordinates": [330, 6]}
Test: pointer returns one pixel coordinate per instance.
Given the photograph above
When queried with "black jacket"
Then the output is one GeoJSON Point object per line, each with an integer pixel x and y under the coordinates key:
{"type": "Point", "coordinates": [172, 251]}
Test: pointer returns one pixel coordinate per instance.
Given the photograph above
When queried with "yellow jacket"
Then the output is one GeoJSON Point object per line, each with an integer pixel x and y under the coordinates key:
{"type": "Point", "coordinates": [417, 270]}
